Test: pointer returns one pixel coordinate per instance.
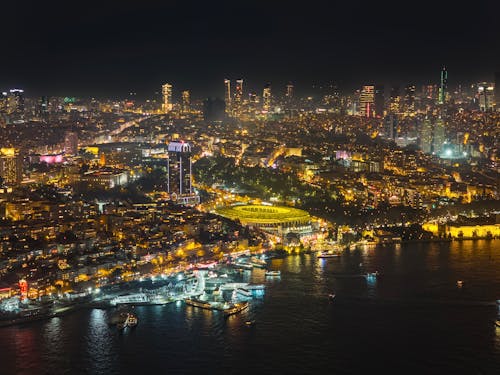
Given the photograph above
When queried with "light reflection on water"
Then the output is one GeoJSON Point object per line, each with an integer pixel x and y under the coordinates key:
{"type": "Point", "coordinates": [414, 315]}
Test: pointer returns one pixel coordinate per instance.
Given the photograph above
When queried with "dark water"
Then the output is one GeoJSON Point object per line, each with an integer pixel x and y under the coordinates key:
{"type": "Point", "coordinates": [412, 320]}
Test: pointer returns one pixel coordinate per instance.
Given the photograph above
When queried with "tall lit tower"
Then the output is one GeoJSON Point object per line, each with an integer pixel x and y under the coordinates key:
{"type": "Point", "coordinates": [289, 92]}
{"type": "Point", "coordinates": [227, 94]}
{"type": "Point", "coordinates": [186, 101]}
{"type": "Point", "coordinates": [367, 100]}
{"type": "Point", "coordinates": [394, 100]}
{"type": "Point", "coordinates": [409, 101]}
{"type": "Point", "coordinates": [179, 169]}
{"type": "Point", "coordinates": [166, 91]}
{"type": "Point", "coordinates": [266, 98]}
{"type": "Point", "coordinates": [238, 96]}
{"type": "Point", "coordinates": [443, 86]}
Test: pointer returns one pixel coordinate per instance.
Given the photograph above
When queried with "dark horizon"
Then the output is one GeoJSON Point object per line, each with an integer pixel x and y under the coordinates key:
{"type": "Point", "coordinates": [106, 50]}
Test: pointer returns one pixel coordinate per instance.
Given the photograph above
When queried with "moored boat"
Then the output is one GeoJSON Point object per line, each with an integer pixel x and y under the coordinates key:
{"type": "Point", "coordinates": [235, 308]}
{"type": "Point", "coordinates": [326, 254]}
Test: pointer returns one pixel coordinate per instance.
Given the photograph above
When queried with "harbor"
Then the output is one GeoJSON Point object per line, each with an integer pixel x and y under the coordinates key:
{"type": "Point", "coordinates": [221, 286]}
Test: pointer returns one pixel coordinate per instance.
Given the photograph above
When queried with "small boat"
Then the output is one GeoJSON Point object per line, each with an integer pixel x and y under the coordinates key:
{"type": "Point", "coordinates": [130, 321]}
{"type": "Point", "coordinates": [273, 273]}
{"type": "Point", "coordinates": [372, 275]}
{"type": "Point", "coordinates": [460, 283]}
{"type": "Point", "coordinates": [331, 296]}
{"type": "Point", "coordinates": [326, 254]}
{"type": "Point", "coordinates": [250, 323]}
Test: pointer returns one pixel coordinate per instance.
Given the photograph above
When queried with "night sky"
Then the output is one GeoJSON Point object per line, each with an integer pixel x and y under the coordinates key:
{"type": "Point", "coordinates": [109, 48]}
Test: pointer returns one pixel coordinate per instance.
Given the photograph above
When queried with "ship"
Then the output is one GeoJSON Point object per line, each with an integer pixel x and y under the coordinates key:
{"type": "Point", "coordinates": [235, 308]}
{"type": "Point", "coordinates": [326, 254]}
{"type": "Point", "coordinates": [130, 321]}
{"type": "Point", "coordinates": [198, 303]}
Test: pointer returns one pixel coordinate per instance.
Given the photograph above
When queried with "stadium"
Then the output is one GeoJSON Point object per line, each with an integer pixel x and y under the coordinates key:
{"type": "Point", "coordinates": [278, 220]}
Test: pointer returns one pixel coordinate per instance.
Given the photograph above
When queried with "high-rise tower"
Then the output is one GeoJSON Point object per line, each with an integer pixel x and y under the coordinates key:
{"type": "Point", "coordinates": [227, 95]}
{"type": "Point", "coordinates": [166, 91]}
{"type": "Point", "coordinates": [266, 98]}
{"type": "Point", "coordinates": [179, 169]}
{"type": "Point", "coordinates": [238, 96]}
{"type": "Point", "coordinates": [367, 100]}
{"type": "Point", "coordinates": [186, 101]}
{"type": "Point", "coordinates": [443, 86]}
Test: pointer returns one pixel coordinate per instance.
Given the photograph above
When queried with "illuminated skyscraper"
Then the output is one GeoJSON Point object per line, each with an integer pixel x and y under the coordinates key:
{"type": "Point", "coordinates": [395, 100]}
{"type": "Point", "coordinates": [16, 101]}
{"type": "Point", "coordinates": [289, 92]}
{"type": "Point", "coordinates": [186, 101]}
{"type": "Point", "coordinates": [11, 166]}
{"type": "Point", "coordinates": [426, 130]}
{"type": "Point", "coordinates": [439, 136]}
{"type": "Point", "coordinates": [238, 97]}
{"type": "Point", "coordinates": [71, 143]}
{"type": "Point", "coordinates": [227, 95]}
{"type": "Point", "coordinates": [409, 101]}
{"type": "Point", "coordinates": [166, 91]}
{"type": "Point", "coordinates": [485, 92]}
{"type": "Point", "coordinates": [379, 101]}
{"type": "Point", "coordinates": [179, 168]}
{"type": "Point", "coordinates": [266, 98]}
{"type": "Point", "coordinates": [443, 86]}
{"type": "Point", "coordinates": [367, 101]}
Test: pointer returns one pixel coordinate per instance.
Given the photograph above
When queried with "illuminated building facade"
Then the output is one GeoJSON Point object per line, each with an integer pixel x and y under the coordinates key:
{"type": "Point", "coordinates": [395, 100]}
{"type": "Point", "coordinates": [16, 101]}
{"type": "Point", "coordinates": [179, 173]}
{"type": "Point", "coordinates": [105, 178]}
{"type": "Point", "coordinates": [238, 97]}
{"type": "Point", "coordinates": [367, 101]}
{"type": "Point", "coordinates": [166, 91]}
{"type": "Point", "coordinates": [443, 86]}
{"type": "Point", "coordinates": [11, 166]}
{"type": "Point", "coordinates": [71, 143]}
{"type": "Point", "coordinates": [186, 101]}
{"type": "Point", "coordinates": [409, 100]}
{"type": "Point", "coordinates": [227, 95]}
{"type": "Point", "coordinates": [486, 96]}
{"type": "Point", "coordinates": [266, 98]}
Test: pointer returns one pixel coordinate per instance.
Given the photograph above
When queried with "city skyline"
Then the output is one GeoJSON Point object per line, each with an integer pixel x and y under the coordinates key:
{"type": "Point", "coordinates": [110, 50]}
